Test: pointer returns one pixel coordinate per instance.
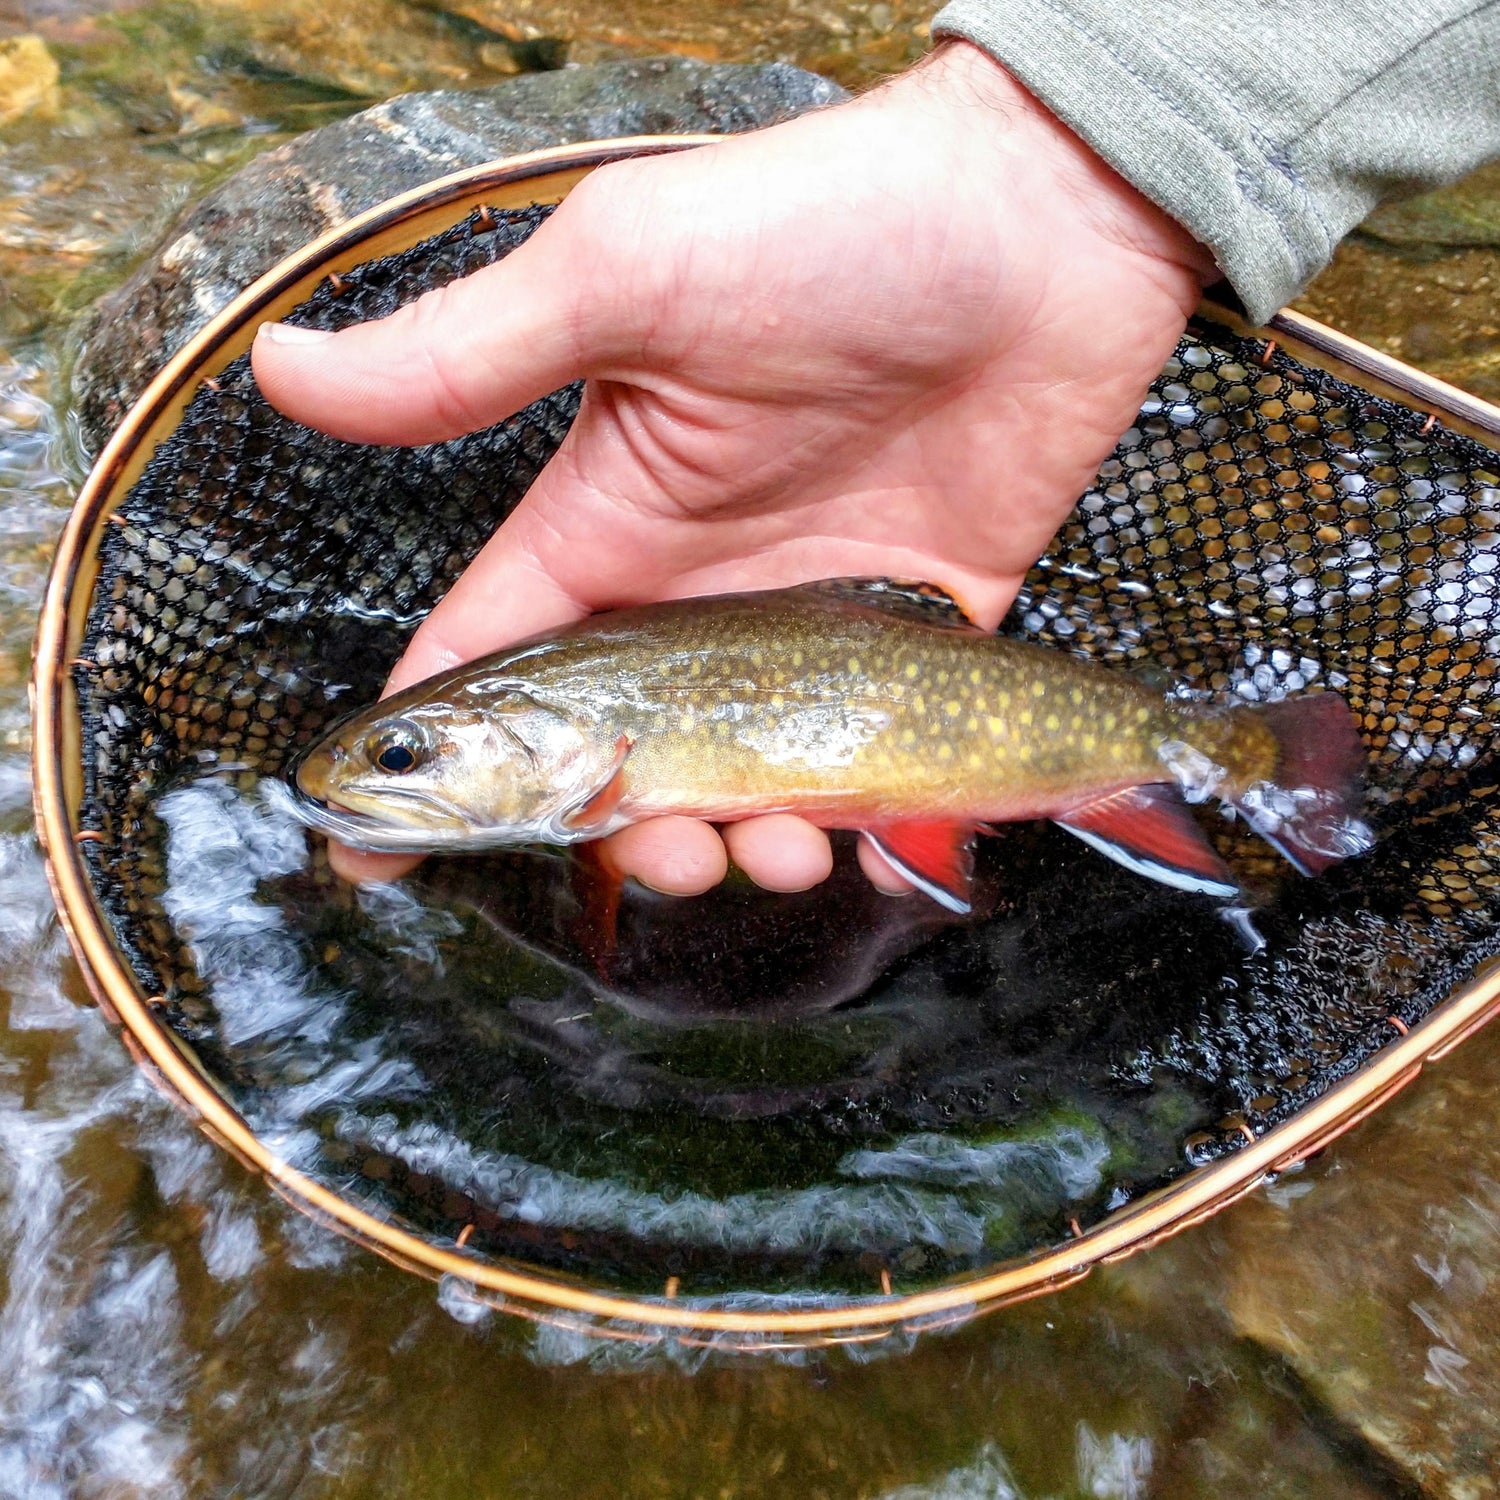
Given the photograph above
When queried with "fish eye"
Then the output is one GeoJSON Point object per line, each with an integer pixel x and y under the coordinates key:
{"type": "Point", "coordinates": [399, 749]}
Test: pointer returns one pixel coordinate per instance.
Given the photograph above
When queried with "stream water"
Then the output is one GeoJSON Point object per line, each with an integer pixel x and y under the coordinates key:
{"type": "Point", "coordinates": [168, 1327]}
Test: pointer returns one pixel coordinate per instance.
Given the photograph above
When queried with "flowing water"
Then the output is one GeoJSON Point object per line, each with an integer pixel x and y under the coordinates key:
{"type": "Point", "coordinates": [168, 1327]}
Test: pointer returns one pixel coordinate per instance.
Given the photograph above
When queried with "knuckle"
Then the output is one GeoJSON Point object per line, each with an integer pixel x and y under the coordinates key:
{"type": "Point", "coordinates": [454, 383]}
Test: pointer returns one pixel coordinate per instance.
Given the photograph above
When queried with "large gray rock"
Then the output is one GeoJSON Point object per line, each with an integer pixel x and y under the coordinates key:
{"type": "Point", "coordinates": [290, 195]}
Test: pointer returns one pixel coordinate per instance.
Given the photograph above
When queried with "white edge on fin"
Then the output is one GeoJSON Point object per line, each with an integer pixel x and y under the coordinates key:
{"type": "Point", "coordinates": [927, 887]}
{"type": "Point", "coordinates": [1164, 874]}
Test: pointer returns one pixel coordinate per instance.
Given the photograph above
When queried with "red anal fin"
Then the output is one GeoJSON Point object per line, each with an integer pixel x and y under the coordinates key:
{"type": "Point", "coordinates": [1149, 829]}
{"type": "Point", "coordinates": [598, 884]}
{"type": "Point", "coordinates": [595, 813]}
{"type": "Point", "coordinates": [938, 858]}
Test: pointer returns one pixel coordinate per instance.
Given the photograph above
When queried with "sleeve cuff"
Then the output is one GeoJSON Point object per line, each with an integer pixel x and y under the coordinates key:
{"type": "Point", "coordinates": [1165, 129]}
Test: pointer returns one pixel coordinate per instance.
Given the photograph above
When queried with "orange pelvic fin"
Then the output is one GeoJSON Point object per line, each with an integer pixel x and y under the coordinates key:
{"type": "Point", "coordinates": [1149, 829]}
{"type": "Point", "coordinates": [938, 858]}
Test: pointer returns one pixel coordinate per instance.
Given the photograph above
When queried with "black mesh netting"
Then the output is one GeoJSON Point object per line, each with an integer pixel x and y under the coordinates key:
{"type": "Point", "coordinates": [875, 1067]}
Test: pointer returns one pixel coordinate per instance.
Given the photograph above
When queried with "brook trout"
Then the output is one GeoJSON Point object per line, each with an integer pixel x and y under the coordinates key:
{"type": "Point", "coordinates": [856, 703]}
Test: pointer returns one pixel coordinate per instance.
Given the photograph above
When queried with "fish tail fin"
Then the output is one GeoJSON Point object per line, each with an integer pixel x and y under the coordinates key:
{"type": "Point", "coordinates": [1309, 809]}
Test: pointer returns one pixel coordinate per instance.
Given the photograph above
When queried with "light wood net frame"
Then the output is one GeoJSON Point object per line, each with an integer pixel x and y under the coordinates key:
{"type": "Point", "coordinates": [546, 177]}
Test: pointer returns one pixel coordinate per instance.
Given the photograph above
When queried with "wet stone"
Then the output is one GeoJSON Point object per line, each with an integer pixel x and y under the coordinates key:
{"type": "Point", "coordinates": [1386, 1304]}
{"type": "Point", "coordinates": [1466, 213]}
{"type": "Point", "coordinates": [1421, 281]}
{"type": "Point", "coordinates": [28, 76]}
{"type": "Point", "coordinates": [292, 194]}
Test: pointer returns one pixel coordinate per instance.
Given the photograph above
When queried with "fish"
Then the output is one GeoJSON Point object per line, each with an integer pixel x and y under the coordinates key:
{"type": "Point", "coordinates": [867, 704]}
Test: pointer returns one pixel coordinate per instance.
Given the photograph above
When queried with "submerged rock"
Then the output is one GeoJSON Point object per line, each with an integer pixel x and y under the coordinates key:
{"type": "Point", "coordinates": [28, 76]}
{"type": "Point", "coordinates": [1465, 213]}
{"type": "Point", "coordinates": [1373, 1277]}
{"type": "Point", "coordinates": [312, 184]}
{"type": "Point", "coordinates": [1433, 307]}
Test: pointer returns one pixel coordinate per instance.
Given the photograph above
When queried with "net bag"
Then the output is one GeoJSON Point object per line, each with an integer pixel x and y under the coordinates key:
{"type": "Point", "coordinates": [779, 1117]}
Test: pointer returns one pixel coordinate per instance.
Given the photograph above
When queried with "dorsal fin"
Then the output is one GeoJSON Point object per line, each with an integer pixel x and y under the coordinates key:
{"type": "Point", "coordinates": [918, 601]}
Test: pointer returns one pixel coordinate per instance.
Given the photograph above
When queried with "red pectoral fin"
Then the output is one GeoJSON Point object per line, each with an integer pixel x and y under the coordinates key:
{"type": "Point", "coordinates": [1149, 829]}
{"type": "Point", "coordinates": [938, 858]}
{"type": "Point", "coordinates": [599, 807]}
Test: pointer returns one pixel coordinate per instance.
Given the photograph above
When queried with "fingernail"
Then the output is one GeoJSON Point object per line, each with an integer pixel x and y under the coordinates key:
{"type": "Point", "coordinates": [290, 333]}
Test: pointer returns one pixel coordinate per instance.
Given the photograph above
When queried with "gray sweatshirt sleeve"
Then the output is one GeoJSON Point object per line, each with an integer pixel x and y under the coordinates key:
{"type": "Point", "coordinates": [1269, 128]}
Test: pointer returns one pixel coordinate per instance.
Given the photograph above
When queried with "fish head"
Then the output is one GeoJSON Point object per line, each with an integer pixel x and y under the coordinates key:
{"type": "Point", "coordinates": [454, 772]}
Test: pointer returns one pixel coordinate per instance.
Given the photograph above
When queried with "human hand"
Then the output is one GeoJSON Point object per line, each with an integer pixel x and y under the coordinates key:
{"type": "Point", "coordinates": [895, 337]}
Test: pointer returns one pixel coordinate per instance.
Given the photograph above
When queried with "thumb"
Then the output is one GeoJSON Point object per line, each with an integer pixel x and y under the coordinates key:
{"type": "Point", "coordinates": [460, 358]}
{"type": "Point", "coordinates": [571, 547]}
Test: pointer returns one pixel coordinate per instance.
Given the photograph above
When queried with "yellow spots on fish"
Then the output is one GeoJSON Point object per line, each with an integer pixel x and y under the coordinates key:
{"type": "Point", "coordinates": [1002, 701]}
{"type": "Point", "coordinates": [972, 724]}
{"type": "Point", "coordinates": [796, 658]}
{"type": "Point", "coordinates": [919, 704]}
{"type": "Point", "coordinates": [695, 668]}
{"type": "Point", "coordinates": [945, 751]}
{"type": "Point", "coordinates": [1117, 750]}
{"type": "Point", "coordinates": [908, 737]}
{"type": "Point", "coordinates": [976, 677]}
{"type": "Point", "coordinates": [1075, 697]}
{"type": "Point", "coordinates": [913, 671]}
{"type": "Point", "coordinates": [1090, 743]}
{"type": "Point", "coordinates": [853, 665]}
{"type": "Point", "coordinates": [1025, 718]}
{"type": "Point", "coordinates": [953, 708]}
{"type": "Point", "coordinates": [1039, 689]}
{"type": "Point", "coordinates": [1143, 716]}
{"type": "Point", "coordinates": [757, 659]}
{"type": "Point", "coordinates": [1052, 722]}
{"type": "Point", "coordinates": [778, 700]}
{"type": "Point", "coordinates": [995, 726]}
{"type": "Point", "coordinates": [1023, 752]}
{"type": "Point", "coordinates": [976, 761]}
{"type": "Point", "coordinates": [686, 723]}
{"type": "Point", "coordinates": [1109, 723]}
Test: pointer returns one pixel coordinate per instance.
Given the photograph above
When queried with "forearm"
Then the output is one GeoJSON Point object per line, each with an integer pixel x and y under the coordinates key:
{"type": "Point", "coordinates": [1269, 129]}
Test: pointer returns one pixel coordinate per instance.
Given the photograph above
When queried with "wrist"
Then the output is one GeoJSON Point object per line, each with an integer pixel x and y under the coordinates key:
{"type": "Point", "coordinates": [984, 101]}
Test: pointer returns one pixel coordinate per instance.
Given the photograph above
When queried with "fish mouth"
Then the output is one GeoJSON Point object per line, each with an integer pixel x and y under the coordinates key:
{"type": "Point", "coordinates": [359, 830]}
{"type": "Point", "coordinates": [324, 813]}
